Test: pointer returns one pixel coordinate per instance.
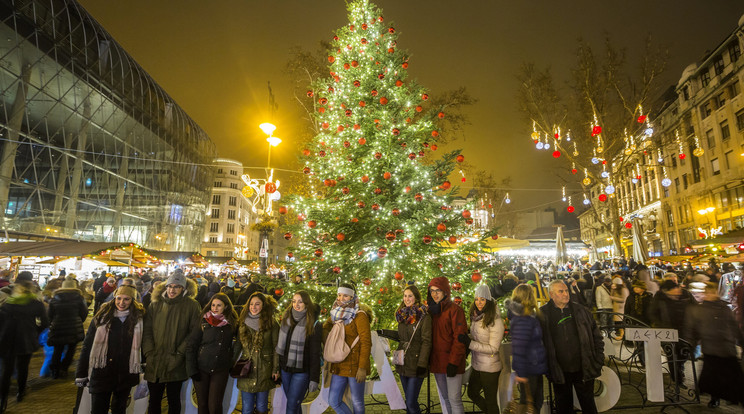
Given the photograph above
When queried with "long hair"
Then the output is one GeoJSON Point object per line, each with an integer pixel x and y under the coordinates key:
{"type": "Point", "coordinates": [106, 313]}
{"type": "Point", "coordinates": [266, 317]}
{"type": "Point", "coordinates": [311, 316]}
{"type": "Point", "coordinates": [229, 311]}
{"type": "Point", "coordinates": [416, 295]}
{"type": "Point", "coordinates": [489, 312]}
{"type": "Point", "coordinates": [525, 295]}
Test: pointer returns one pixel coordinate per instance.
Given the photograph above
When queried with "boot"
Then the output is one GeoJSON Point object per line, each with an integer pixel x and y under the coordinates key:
{"type": "Point", "coordinates": [3, 403]}
{"type": "Point", "coordinates": [21, 394]}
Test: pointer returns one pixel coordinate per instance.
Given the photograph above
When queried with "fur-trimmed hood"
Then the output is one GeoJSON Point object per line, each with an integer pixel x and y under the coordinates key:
{"type": "Point", "coordinates": [368, 310]}
{"type": "Point", "coordinates": [515, 307]}
{"type": "Point", "coordinates": [191, 290]}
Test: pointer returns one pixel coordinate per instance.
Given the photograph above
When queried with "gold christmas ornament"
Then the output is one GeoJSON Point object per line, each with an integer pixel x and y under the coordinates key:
{"type": "Point", "coordinates": [600, 149]}
{"type": "Point", "coordinates": [586, 181]}
{"type": "Point", "coordinates": [698, 152]}
{"type": "Point", "coordinates": [628, 151]}
{"type": "Point", "coordinates": [247, 192]}
{"type": "Point", "coordinates": [535, 135]}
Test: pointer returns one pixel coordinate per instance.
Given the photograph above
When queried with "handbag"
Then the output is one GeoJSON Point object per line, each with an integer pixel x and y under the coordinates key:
{"type": "Point", "coordinates": [141, 391]}
{"type": "Point", "coordinates": [399, 355]}
{"type": "Point", "coordinates": [514, 406]}
{"type": "Point", "coordinates": [242, 368]}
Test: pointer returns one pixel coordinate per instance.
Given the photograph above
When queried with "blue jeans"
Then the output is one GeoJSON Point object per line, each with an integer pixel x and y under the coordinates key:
{"type": "Point", "coordinates": [259, 399]}
{"type": "Point", "coordinates": [336, 394]}
{"type": "Point", "coordinates": [411, 388]}
{"type": "Point", "coordinates": [295, 386]}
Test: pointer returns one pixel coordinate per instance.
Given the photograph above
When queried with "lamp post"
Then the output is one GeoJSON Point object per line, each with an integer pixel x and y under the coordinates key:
{"type": "Point", "coordinates": [263, 246]}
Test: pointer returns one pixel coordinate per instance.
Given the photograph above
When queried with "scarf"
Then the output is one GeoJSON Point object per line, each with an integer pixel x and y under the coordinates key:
{"type": "Point", "coordinates": [295, 352]}
{"type": "Point", "coordinates": [99, 350]}
{"type": "Point", "coordinates": [21, 299]}
{"type": "Point", "coordinates": [253, 322]}
{"type": "Point", "coordinates": [345, 311]}
{"type": "Point", "coordinates": [122, 315]}
{"type": "Point", "coordinates": [410, 314]}
{"type": "Point", "coordinates": [476, 316]}
{"type": "Point", "coordinates": [214, 319]}
{"type": "Point", "coordinates": [434, 307]}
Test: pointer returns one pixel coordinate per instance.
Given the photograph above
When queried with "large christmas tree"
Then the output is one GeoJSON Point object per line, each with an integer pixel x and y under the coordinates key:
{"type": "Point", "coordinates": [379, 215]}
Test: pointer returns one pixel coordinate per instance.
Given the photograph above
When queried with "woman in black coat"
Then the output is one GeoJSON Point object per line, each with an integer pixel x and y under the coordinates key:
{"type": "Point", "coordinates": [22, 318]}
{"type": "Point", "coordinates": [209, 353]}
{"type": "Point", "coordinates": [67, 312]}
{"type": "Point", "coordinates": [110, 361]}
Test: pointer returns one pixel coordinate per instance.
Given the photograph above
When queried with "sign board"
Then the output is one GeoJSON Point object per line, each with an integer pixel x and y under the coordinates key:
{"type": "Point", "coordinates": [263, 253]}
{"type": "Point", "coordinates": [652, 349]}
{"type": "Point", "coordinates": [648, 334]}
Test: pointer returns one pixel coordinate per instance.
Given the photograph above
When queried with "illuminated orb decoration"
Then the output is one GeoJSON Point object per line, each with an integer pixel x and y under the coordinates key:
{"type": "Point", "coordinates": [586, 181]}
{"type": "Point", "coordinates": [595, 160]}
{"type": "Point", "coordinates": [628, 225]}
{"type": "Point", "coordinates": [698, 152]}
{"type": "Point", "coordinates": [476, 277]}
{"type": "Point", "coordinates": [539, 145]}
{"type": "Point", "coordinates": [586, 201]}
{"type": "Point", "coordinates": [270, 188]}
{"type": "Point", "coordinates": [628, 151]}
{"type": "Point", "coordinates": [605, 174]}
{"type": "Point", "coordinates": [666, 182]}
{"type": "Point", "coordinates": [556, 154]}
{"type": "Point", "coordinates": [610, 189]}
{"type": "Point", "coordinates": [276, 196]}
{"type": "Point", "coordinates": [547, 146]}
{"type": "Point", "coordinates": [535, 135]}
{"type": "Point", "coordinates": [247, 192]}
{"type": "Point", "coordinates": [649, 131]}
{"type": "Point", "coordinates": [634, 180]}
{"type": "Point", "coordinates": [600, 150]}
{"type": "Point", "coordinates": [682, 156]}
{"type": "Point", "coordinates": [660, 160]}
{"type": "Point", "coordinates": [602, 197]}
{"type": "Point", "coordinates": [507, 201]}
{"type": "Point", "coordinates": [570, 209]}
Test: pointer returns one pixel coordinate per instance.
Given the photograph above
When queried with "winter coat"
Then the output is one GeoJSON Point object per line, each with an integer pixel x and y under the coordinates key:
{"type": "Point", "coordinates": [101, 298]}
{"type": "Point", "coordinates": [619, 295]}
{"type": "Point", "coordinates": [419, 346]}
{"type": "Point", "coordinates": [603, 297]}
{"type": "Point", "coordinates": [265, 360]}
{"type": "Point", "coordinates": [446, 349]}
{"type": "Point", "coordinates": [713, 324]}
{"type": "Point", "coordinates": [67, 312]}
{"type": "Point", "coordinates": [19, 330]}
{"type": "Point", "coordinates": [358, 357]}
{"type": "Point", "coordinates": [210, 348]}
{"type": "Point", "coordinates": [485, 345]}
{"type": "Point", "coordinates": [168, 325]}
{"type": "Point", "coordinates": [310, 356]}
{"type": "Point", "coordinates": [115, 375]}
{"type": "Point", "coordinates": [639, 307]}
{"type": "Point", "coordinates": [529, 357]}
{"type": "Point", "coordinates": [667, 312]}
{"type": "Point", "coordinates": [591, 344]}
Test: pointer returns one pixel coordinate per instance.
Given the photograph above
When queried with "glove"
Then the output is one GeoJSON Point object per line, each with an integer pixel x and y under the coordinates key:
{"type": "Point", "coordinates": [196, 377]}
{"type": "Point", "coordinates": [361, 376]}
{"type": "Point", "coordinates": [464, 339]}
{"type": "Point", "coordinates": [420, 371]}
{"type": "Point", "coordinates": [81, 382]}
{"type": "Point", "coordinates": [451, 370]}
{"type": "Point", "coordinates": [314, 386]}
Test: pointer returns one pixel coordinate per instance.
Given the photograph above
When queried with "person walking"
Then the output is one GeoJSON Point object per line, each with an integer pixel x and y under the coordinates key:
{"type": "Point", "coordinates": [575, 349]}
{"type": "Point", "coordinates": [447, 361]}
{"type": "Point", "coordinates": [668, 309]}
{"type": "Point", "coordinates": [110, 361]}
{"type": "Point", "coordinates": [353, 370]}
{"type": "Point", "coordinates": [209, 353]}
{"type": "Point", "coordinates": [22, 318]}
{"type": "Point", "coordinates": [105, 293]}
{"type": "Point", "coordinates": [299, 349]}
{"type": "Point", "coordinates": [171, 318]}
{"type": "Point", "coordinates": [67, 312]}
{"type": "Point", "coordinates": [603, 297]}
{"type": "Point", "coordinates": [638, 304]}
{"type": "Point", "coordinates": [529, 358]}
{"type": "Point", "coordinates": [414, 340]}
{"type": "Point", "coordinates": [258, 334]}
{"type": "Point", "coordinates": [618, 295]}
{"type": "Point", "coordinates": [487, 330]}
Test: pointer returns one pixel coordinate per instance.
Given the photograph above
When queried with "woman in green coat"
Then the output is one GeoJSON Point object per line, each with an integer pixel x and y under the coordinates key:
{"type": "Point", "coordinates": [259, 335]}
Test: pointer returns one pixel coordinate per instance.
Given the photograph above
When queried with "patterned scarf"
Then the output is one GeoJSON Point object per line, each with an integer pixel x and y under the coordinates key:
{"type": "Point", "coordinates": [476, 316]}
{"type": "Point", "coordinates": [99, 350]}
{"type": "Point", "coordinates": [410, 314]}
{"type": "Point", "coordinates": [345, 311]}
{"type": "Point", "coordinates": [295, 353]}
{"type": "Point", "coordinates": [215, 319]}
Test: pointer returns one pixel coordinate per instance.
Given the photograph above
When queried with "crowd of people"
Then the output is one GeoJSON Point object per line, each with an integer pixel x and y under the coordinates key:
{"type": "Point", "coordinates": [173, 328]}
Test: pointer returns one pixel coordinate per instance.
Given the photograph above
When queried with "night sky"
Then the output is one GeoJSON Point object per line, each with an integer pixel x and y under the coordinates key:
{"type": "Point", "coordinates": [215, 58]}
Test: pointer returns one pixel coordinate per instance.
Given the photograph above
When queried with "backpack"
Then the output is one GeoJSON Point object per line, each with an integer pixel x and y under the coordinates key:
{"type": "Point", "coordinates": [336, 350]}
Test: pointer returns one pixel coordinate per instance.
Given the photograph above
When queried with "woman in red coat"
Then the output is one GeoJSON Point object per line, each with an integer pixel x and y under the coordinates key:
{"type": "Point", "coordinates": [447, 353]}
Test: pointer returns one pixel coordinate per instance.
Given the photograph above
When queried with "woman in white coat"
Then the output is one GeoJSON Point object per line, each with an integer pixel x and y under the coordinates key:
{"type": "Point", "coordinates": [487, 330]}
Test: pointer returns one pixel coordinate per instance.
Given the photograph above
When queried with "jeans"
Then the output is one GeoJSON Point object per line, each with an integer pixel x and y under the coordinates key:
{"type": "Point", "coordinates": [489, 383]}
{"type": "Point", "coordinates": [564, 400]}
{"type": "Point", "coordinates": [172, 389]}
{"type": "Point", "coordinates": [258, 399]}
{"type": "Point", "coordinates": [19, 363]}
{"type": "Point", "coordinates": [116, 400]}
{"type": "Point", "coordinates": [450, 393]}
{"type": "Point", "coordinates": [605, 318]}
{"type": "Point", "coordinates": [535, 383]}
{"type": "Point", "coordinates": [295, 385]}
{"type": "Point", "coordinates": [336, 394]}
{"type": "Point", "coordinates": [210, 390]}
{"type": "Point", "coordinates": [411, 388]}
{"type": "Point", "coordinates": [60, 364]}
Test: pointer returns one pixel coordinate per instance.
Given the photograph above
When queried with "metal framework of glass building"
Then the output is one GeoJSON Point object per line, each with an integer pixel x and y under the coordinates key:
{"type": "Point", "coordinates": [91, 148]}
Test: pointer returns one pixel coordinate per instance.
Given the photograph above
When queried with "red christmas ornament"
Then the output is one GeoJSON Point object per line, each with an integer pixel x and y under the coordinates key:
{"type": "Point", "coordinates": [460, 158]}
{"type": "Point", "coordinates": [373, 92]}
{"type": "Point", "coordinates": [427, 239]}
{"type": "Point", "coordinates": [365, 179]}
{"type": "Point", "coordinates": [419, 108]}
{"type": "Point", "coordinates": [628, 225]}
{"type": "Point", "coordinates": [383, 100]}
{"type": "Point", "coordinates": [279, 292]}
{"type": "Point", "coordinates": [362, 104]}
{"type": "Point", "coordinates": [345, 190]}
{"type": "Point", "coordinates": [495, 237]}
{"type": "Point", "coordinates": [390, 236]}
{"type": "Point", "coordinates": [476, 277]}
{"type": "Point", "coordinates": [602, 197]}
{"type": "Point", "coordinates": [361, 204]}
{"type": "Point", "coordinates": [311, 224]}
{"type": "Point", "coordinates": [434, 146]}
{"type": "Point", "coordinates": [367, 282]}
{"type": "Point", "coordinates": [354, 220]}
{"type": "Point", "coordinates": [399, 83]}
{"type": "Point", "coordinates": [309, 94]}
{"type": "Point", "coordinates": [462, 179]}
{"type": "Point", "coordinates": [404, 65]}
{"type": "Point", "coordinates": [318, 252]}
{"type": "Point", "coordinates": [340, 237]}
{"type": "Point", "coordinates": [301, 217]}
{"type": "Point", "coordinates": [466, 214]}
{"type": "Point", "coordinates": [375, 206]}
{"type": "Point", "coordinates": [386, 175]}
{"type": "Point", "coordinates": [556, 154]}
{"type": "Point", "coordinates": [469, 221]}
{"type": "Point", "coordinates": [327, 182]}
{"type": "Point", "coordinates": [362, 141]}
{"type": "Point", "coordinates": [641, 119]}
{"type": "Point", "coordinates": [398, 275]}
{"type": "Point", "coordinates": [391, 30]}
{"type": "Point", "coordinates": [322, 153]}
{"type": "Point", "coordinates": [682, 156]}
{"type": "Point", "coordinates": [396, 132]}
{"type": "Point", "coordinates": [354, 63]}
{"type": "Point", "coordinates": [425, 97]}
{"type": "Point", "coordinates": [306, 152]}
{"type": "Point", "coordinates": [378, 155]}
{"type": "Point", "coordinates": [396, 212]}
{"type": "Point", "coordinates": [456, 285]}
{"type": "Point", "coordinates": [378, 190]}
{"type": "Point", "coordinates": [596, 130]}
{"type": "Point", "coordinates": [407, 189]}
{"type": "Point", "coordinates": [270, 188]}
{"type": "Point", "coordinates": [418, 197]}
{"type": "Point", "coordinates": [336, 270]}
{"type": "Point", "coordinates": [287, 236]}
{"type": "Point", "coordinates": [412, 156]}
{"type": "Point", "coordinates": [382, 252]}
{"type": "Point", "coordinates": [346, 66]}
{"type": "Point", "coordinates": [331, 59]}
{"type": "Point", "coordinates": [441, 227]}
{"type": "Point", "coordinates": [434, 134]}
{"type": "Point", "coordinates": [290, 255]}
{"type": "Point", "coordinates": [573, 171]}
{"type": "Point", "coordinates": [452, 240]}
{"type": "Point", "coordinates": [458, 300]}
{"type": "Point", "coordinates": [282, 210]}
{"type": "Point", "coordinates": [570, 209]}
{"type": "Point", "coordinates": [445, 185]}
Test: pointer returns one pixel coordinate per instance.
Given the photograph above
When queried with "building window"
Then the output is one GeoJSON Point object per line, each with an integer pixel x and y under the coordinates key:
{"type": "Point", "coordinates": [233, 172]}
{"type": "Point", "coordinates": [670, 218]}
{"type": "Point", "coordinates": [674, 160]}
{"type": "Point", "coordinates": [672, 236]}
{"type": "Point", "coordinates": [218, 184]}
{"type": "Point", "coordinates": [234, 185]}
{"type": "Point", "coordinates": [214, 227]}
{"type": "Point", "coordinates": [229, 240]}
{"type": "Point", "coordinates": [676, 184]}
{"type": "Point", "coordinates": [216, 199]}
{"type": "Point", "coordinates": [666, 191]}
{"type": "Point", "coordinates": [705, 110]}
{"type": "Point", "coordinates": [734, 51]}
{"type": "Point", "coordinates": [211, 253]}
{"type": "Point", "coordinates": [230, 228]}
{"type": "Point", "coordinates": [711, 138]}
{"type": "Point", "coordinates": [725, 132]}
{"type": "Point", "coordinates": [213, 239]}
{"type": "Point", "coordinates": [215, 213]}
{"type": "Point", "coordinates": [705, 77]}
{"type": "Point", "coordinates": [233, 201]}
{"type": "Point", "coordinates": [730, 159]}
{"type": "Point", "coordinates": [227, 253]}
{"type": "Point", "coordinates": [219, 171]}
{"type": "Point", "coordinates": [740, 120]}
{"type": "Point", "coordinates": [720, 100]}
{"type": "Point", "coordinates": [231, 214]}
{"type": "Point", "coordinates": [718, 65]}
{"type": "Point", "coordinates": [684, 180]}
{"type": "Point", "coordinates": [714, 166]}
{"type": "Point", "coordinates": [686, 92]}
{"type": "Point", "coordinates": [734, 89]}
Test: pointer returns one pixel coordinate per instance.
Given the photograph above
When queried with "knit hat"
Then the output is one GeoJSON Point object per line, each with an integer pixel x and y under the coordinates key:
{"type": "Point", "coordinates": [482, 291]}
{"type": "Point", "coordinates": [176, 278]}
{"type": "Point", "coordinates": [25, 275]}
{"type": "Point", "coordinates": [617, 281]}
{"type": "Point", "coordinates": [442, 283]}
{"type": "Point", "coordinates": [126, 291]}
{"type": "Point", "coordinates": [69, 283]}
{"type": "Point", "coordinates": [639, 284]}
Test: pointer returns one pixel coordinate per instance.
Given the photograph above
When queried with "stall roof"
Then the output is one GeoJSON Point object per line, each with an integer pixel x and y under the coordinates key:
{"type": "Point", "coordinates": [170, 256]}
{"type": "Point", "coordinates": [56, 248]}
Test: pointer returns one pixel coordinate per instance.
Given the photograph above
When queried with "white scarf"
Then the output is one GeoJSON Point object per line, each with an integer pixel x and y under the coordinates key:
{"type": "Point", "coordinates": [99, 350]}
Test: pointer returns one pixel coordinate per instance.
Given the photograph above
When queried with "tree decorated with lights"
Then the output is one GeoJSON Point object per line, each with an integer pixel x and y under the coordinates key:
{"type": "Point", "coordinates": [379, 215]}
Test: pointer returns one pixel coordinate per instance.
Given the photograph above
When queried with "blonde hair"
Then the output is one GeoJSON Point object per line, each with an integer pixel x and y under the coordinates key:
{"type": "Point", "coordinates": [525, 295]}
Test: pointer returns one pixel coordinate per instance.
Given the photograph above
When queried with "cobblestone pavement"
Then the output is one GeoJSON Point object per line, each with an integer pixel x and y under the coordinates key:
{"type": "Point", "coordinates": [48, 396]}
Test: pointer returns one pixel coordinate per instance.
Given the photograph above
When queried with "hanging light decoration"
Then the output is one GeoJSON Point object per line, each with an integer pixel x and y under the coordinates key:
{"type": "Point", "coordinates": [563, 198]}
{"type": "Point", "coordinates": [666, 182]}
{"type": "Point", "coordinates": [507, 200]}
{"type": "Point", "coordinates": [698, 151]}
{"type": "Point", "coordinates": [586, 180]}
{"type": "Point", "coordinates": [586, 200]}
{"type": "Point", "coordinates": [575, 151]}
{"type": "Point", "coordinates": [535, 135]}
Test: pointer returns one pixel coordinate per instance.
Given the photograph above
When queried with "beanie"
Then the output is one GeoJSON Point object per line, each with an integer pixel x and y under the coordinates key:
{"type": "Point", "coordinates": [126, 291]}
{"type": "Point", "coordinates": [69, 283]}
{"type": "Point", "coordinates": [25, 275]}
{"type": "Point", "coordinates": [176, 278]}
{"type": "Point", "coordinates": [482, 291]}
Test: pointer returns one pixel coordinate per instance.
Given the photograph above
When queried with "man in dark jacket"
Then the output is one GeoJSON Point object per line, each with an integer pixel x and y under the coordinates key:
{"type": "Point", "coordinates": [668, 309]}
{"type": "Point", "coordinates": [67, 312]}
{"type": "Point", "coordinates": [100, 280]}
{"type": "Point", "coordinates": [575, 349]}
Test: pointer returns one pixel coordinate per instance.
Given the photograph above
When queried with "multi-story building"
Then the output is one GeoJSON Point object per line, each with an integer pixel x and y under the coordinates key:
{"type": "Point", "coordinates": [699, 133]}
{"type": "Point", "coordinates": [92, 147]}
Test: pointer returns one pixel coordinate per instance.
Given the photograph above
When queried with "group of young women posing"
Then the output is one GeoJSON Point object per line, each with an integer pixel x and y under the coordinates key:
{"type": "Point", "coordinates": [433, 338]}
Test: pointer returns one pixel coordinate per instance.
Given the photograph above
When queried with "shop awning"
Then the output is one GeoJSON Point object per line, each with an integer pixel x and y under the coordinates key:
{"type": "Point", "coordinates": [56, 248]}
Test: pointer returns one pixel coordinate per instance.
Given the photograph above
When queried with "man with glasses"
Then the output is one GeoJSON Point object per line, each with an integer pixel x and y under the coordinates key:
{"type": "Point", "coordinates": [171, 317]}
{"type": "Point", "coordinates": [447, 353]}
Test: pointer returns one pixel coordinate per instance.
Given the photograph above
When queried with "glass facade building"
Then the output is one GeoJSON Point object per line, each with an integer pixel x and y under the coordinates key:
{"type": "Point", "coordinates": [91, 148]}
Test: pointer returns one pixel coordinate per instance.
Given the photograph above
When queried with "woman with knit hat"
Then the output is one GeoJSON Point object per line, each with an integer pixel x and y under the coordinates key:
{"type": "Point", "coordinates": [353, 370]}
{"type": "Point", "coordinates": [447, 353]}
{"type": "Point", "coordinates": [110, 358]}
{"type": "Point", "coordinates": [487, 330]}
